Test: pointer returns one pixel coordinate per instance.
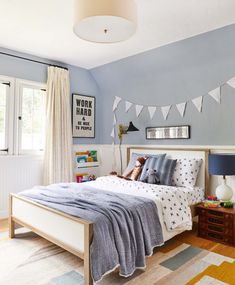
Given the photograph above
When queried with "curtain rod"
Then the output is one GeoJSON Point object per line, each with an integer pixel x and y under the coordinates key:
{"type": "Point", "coordinates": [32, 60]}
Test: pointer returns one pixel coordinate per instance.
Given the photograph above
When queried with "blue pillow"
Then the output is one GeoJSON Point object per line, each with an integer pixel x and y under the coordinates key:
{"type": "Point", "coordinates": [166, 171]}
{"type": "Point", "coordinates": [153, 162]}
{"type": "Point", "coordinates": [133, 159]}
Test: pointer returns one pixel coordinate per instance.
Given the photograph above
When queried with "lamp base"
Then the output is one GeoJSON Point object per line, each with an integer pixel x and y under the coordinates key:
{"type": "Point", "coordinates": [224, 192]}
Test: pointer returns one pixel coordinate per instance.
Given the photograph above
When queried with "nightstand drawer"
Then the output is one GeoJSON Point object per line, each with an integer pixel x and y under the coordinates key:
{"type": "Point", "coordinates": [228, 231]}
{"type": "Point", "coordinates": [216, 221]}
{"type": "Point", "coordinates": [218, 237]}
{"type": "Point", "coordinates": [214, 213]}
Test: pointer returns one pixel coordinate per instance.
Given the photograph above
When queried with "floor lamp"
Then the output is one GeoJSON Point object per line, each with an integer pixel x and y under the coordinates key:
{"type": "Point", "coordinates": [123, 130]}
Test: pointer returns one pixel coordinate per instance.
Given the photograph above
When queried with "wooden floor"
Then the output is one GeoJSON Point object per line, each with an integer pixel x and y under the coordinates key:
{"type": "Point", "coordinates": [189, 237]}
{"type": "Point", "coordinates": [3, 225]}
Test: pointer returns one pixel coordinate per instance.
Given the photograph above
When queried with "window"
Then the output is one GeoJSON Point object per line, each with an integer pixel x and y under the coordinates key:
{"type": "Point", "coordinates": [31, 117]}
{"type": "Point", "coordinates": [21, 116]}
{"type": "Point", "coordinates": [4, 91]}
{"type": "Point", "coordinates": [6, 111]}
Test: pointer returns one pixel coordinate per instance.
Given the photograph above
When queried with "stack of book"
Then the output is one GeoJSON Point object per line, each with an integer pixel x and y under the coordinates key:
{"type": "Point", "coordinates": [211, 202]}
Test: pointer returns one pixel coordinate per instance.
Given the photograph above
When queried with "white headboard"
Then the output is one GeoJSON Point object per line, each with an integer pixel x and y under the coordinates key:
{"type": "Point", "coordinates": [174, 153]}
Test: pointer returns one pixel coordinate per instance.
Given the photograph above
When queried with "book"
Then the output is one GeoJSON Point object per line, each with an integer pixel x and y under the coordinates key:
{"type": "Point", "coordinates": [211, 204]}
{"type": "Point", "coordinates": [85, 159]}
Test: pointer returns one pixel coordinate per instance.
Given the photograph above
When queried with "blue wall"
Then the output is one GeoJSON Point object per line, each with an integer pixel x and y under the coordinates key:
{"type": "Point", "coordinates": [173, 74]}
{"type": "Point", "coordinates": [167, 75]}
{"type": "Point", "coordinates": [81, 80]}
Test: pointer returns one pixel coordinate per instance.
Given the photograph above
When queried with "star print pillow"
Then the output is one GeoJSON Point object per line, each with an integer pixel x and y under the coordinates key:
{"type": "Point", "coordinates": [186, 172]}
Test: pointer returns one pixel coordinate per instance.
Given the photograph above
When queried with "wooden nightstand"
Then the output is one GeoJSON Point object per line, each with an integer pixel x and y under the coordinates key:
{"type": "Point", "coordinates": [217, 224]}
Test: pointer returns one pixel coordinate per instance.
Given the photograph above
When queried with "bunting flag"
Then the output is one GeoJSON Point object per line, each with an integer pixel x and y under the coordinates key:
{"type": "Point", "coordinates": [117, 100]}
{"type": "Point", "coordinates": [165, 111]}
{"type": "Point", "coordinates": [152, 111]}
{"type": "Point", "coordinates": [139, 109]}
{"type": "Point", "coordinates": [216, 94]}
{"type": "Point", "coordinates": [112, 133]}
{"type": "Point", "coordinates": [198, 103]}
{"type": "Point", "coordinates": [128, 106]}
{"type": "Point", "coordinates": [231, 82]}
{"type": "Point", "coordinates": [181, 108]}
{"type": "Point", "coordinates": [114, 119]}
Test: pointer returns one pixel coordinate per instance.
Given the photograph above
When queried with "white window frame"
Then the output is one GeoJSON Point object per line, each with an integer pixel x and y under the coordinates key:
{"type": "Point", "coordinates": [9, 131]}
{"type": "Point", "coordinates": [20, 84]}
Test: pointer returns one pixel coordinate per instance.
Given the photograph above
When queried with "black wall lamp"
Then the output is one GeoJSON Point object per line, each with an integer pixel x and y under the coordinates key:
{"type": "Point", "coordinates": [123, 130]}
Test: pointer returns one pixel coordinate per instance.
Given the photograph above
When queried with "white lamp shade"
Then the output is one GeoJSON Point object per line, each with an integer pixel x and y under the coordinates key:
{"type": "Point", "coordinates": [105, 21]}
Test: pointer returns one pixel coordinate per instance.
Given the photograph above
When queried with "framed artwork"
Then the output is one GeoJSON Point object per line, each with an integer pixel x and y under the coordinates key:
{"type": "Point", "coordinates": [163, 133]}
{"type": "Point", "coordinates": [83, 116]}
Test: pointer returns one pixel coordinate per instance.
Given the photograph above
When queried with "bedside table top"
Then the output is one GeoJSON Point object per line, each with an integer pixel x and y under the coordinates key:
{"type": "Point", "coordinates": [219, 209]}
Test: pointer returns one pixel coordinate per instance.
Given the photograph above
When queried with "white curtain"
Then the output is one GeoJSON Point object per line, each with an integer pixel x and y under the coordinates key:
{"type": "Point", "coordinates": [58, 166]}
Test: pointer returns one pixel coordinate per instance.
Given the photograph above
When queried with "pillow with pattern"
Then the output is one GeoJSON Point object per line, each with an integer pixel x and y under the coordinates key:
{"type": "Point", "coordinates": [186, 172]}
{"type": "Point", "coordinates": [166, 171]}
{"type": "Point", "coordinates": [163, 167]}
{"type": "Point", "coordinates": [134, 157]}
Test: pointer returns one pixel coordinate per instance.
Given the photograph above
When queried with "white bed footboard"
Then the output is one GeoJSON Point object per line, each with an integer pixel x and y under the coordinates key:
{"type": "Point", "coordinates": [71, 233]}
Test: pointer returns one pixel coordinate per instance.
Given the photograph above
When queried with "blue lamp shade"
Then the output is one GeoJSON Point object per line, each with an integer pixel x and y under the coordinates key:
{"type": "Point", "coordinates": [222, 164]}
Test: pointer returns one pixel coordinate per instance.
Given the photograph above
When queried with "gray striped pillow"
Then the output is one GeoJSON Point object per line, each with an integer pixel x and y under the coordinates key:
{"type": "Point", "coordinates": [153, 162]}
{"type": "Point", "coordinates": [166, 171]}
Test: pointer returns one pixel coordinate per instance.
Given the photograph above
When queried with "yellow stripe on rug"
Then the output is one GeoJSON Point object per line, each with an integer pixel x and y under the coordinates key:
{"type": "Point", "coordinates": [224, 272]}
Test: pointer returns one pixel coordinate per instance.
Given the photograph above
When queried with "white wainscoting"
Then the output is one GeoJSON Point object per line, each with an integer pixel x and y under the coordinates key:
{"type": "Point", "coordinates": [17, 173]}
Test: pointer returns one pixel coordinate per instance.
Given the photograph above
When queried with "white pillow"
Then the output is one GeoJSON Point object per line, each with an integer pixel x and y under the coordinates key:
{"type": "Point", "coordinates": [186, 172]}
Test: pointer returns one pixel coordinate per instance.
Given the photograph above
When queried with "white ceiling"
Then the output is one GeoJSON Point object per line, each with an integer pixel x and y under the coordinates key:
{"type": "Point", "coordinates": [44, 28]}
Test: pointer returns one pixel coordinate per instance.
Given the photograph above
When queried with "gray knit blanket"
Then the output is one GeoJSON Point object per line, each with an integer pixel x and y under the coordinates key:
{"type": "Point", "coordinates": [126, 228]}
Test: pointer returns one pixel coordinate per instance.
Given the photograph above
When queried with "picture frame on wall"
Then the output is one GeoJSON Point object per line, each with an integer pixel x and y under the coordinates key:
{"type": "Point", "coordinates": [170, 132]}
{"type": "Point", "coordinates": [83, 116]}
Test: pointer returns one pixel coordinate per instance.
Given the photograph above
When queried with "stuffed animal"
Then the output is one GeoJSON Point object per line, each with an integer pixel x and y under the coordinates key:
{"type": "Point", "coordinates": [135, 172]}
{"type": "Point", "coordinates": [114, 173]}
{"type": "Point", "coordinates": [152, 177]}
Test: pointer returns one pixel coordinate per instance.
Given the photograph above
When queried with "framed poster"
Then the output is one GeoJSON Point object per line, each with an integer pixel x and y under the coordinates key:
{"type": "Point", "coordinates": [83, 114]}
{"type": "Point", "coordinates": [173, 132]}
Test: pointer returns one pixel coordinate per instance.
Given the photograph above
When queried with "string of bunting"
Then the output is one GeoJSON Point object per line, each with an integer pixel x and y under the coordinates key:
{"type": "Point", "coordinates": [165, 110]}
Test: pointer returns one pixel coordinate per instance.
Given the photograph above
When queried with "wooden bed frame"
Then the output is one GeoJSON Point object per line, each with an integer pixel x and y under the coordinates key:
{"type": "Point", "coordinates": [73, 234]}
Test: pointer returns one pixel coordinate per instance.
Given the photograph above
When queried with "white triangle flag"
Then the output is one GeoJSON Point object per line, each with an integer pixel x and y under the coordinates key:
{"type": "Point", "coordinates": [165, 111]}
{"type": "Point", "coordinates": [117, 100]}
{"type": "Point", "coordinates": [128, 105]}
{"type": "Point", "coordinates": [114, 120]}
{"type": "Point", "coordinates": [198, 103]}
{"type": "Point", "coordinates": [215, 94]}
{"type": "Point", "coordinates": [231, 82]}
{"type": "Point", "coordinates": [152, 111]}
{"type": "Point", "coordinates": [138, 109]}
{"type": "Point", "coordinates": [181, 108]}
{"type": "Point", "coordinates": [112, 133]}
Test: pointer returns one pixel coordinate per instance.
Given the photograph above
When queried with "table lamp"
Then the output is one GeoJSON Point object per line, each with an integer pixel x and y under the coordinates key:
{"type": "Point", "coordinates": [222, 164]}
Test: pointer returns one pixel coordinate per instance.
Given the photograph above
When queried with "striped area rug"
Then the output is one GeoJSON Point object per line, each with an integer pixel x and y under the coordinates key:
{"type": "Point", "coordinates": [31, 260]}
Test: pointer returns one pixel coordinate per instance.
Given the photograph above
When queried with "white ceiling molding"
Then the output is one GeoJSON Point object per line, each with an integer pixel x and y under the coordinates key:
{"type": "Point", "coordinates": [44, 28]}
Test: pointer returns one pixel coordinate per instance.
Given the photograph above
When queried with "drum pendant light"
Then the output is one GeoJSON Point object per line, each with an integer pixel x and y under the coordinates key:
{"type": "Point", "coordinates": [105, 21]}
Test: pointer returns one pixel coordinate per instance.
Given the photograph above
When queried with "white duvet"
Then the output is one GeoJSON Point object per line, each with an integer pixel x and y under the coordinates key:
{"type": "Point", "coordinates": [172, 202]}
